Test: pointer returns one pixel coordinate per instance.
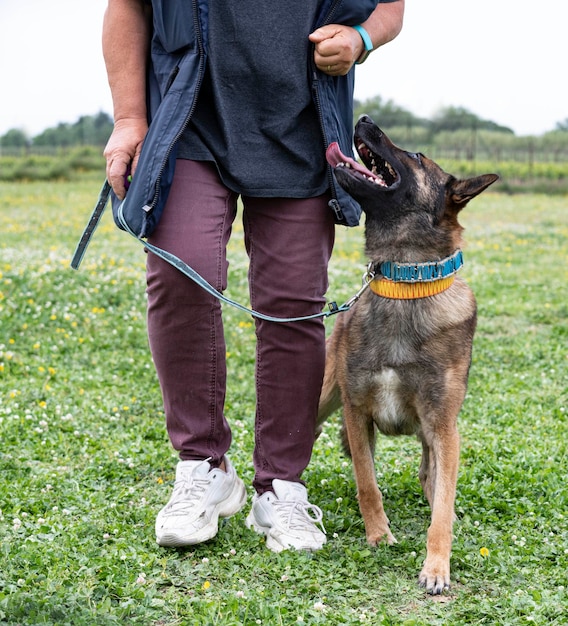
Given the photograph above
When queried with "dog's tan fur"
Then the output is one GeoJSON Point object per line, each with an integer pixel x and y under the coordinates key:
{"type": "Point", "coordinates": [401, 366]}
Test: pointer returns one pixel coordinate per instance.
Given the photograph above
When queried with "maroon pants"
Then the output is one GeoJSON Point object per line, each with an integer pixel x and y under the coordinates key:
{"type": "Point", "coordinates": [289, 243]}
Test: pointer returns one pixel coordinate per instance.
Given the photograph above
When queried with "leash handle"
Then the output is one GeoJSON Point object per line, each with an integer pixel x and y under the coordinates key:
{"type": "Point", "coordinates": [91, 225]}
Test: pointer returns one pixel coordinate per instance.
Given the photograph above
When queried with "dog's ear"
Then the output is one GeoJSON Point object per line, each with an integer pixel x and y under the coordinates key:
{"type": "Point", "coordinates": [462, 191]}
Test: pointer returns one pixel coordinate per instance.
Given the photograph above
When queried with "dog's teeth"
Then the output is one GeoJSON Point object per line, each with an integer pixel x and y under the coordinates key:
{"type": "Point", "coordinates": [376, 180]}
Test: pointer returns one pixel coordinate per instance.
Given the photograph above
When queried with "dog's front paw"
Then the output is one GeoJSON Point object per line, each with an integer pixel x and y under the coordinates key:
{"type": "Point", "coordinates": [435, 576]}
{"type": "Point", "coordinates": [380, 536]}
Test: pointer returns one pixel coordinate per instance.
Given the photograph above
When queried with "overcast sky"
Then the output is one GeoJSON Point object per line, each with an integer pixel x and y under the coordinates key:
{"type": "Point", "coordinates": [504, 60]}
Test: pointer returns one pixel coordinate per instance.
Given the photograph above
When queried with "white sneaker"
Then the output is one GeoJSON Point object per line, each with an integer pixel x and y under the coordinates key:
{"type": "Point", "coordinates": [286, 518]}
{"type": "Point", "coordinates": [199, 498]}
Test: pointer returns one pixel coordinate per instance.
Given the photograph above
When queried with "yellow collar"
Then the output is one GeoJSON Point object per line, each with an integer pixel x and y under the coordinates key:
{"type": "Point", "coordinates": [409, 291]}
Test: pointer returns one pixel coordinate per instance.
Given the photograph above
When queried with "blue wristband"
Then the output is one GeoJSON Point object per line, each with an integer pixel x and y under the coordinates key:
{"type": "Point", "coordinates": [366, 42]}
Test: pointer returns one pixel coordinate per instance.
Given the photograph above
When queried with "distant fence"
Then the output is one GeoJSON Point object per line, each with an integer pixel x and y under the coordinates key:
{"type": "Point", "coordinates": [482, 145]}
{"type": "Point", "coordinates": [63, 151]}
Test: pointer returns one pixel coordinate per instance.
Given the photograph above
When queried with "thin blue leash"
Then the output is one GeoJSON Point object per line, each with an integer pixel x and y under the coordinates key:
{"type": "Point", "coordinates": [188, 271]}
{"type": "Point", "coordinates": [397, 272]}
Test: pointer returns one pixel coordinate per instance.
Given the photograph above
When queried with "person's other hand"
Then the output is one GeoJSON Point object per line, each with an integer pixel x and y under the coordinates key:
{"type": "Point", "coordinates": [123, 151]}
{"type": "Point", "coordinates": [337, 47]}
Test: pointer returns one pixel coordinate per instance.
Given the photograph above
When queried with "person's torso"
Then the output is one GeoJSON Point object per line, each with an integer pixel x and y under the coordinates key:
{"type": "Point", "coordinates": [255, 116]}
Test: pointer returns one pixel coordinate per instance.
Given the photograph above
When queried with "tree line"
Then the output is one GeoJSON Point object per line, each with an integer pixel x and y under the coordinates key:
{"type": "Point", "coordinates": [88, 130]}
{"type": "Point", "coordinates": [456, 133]}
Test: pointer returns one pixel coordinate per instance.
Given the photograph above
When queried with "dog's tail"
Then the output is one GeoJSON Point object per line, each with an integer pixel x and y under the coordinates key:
{"type": "Point", "coordinates": [330, 401]}
{"type": "Point", "coordinates": [330, 397]}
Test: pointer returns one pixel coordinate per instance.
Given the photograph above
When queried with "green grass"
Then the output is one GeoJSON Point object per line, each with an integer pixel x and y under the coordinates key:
{"type": "Point", "coordinates": [86, 462]}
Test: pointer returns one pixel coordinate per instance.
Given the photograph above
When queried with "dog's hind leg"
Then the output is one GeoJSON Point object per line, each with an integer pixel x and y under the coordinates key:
{"type": "Point", "coordinates": [443, 461]}
{"type": "Point", "coordinates": [360, 430]}
{"type": "Point", "coordinates": [427, 472]}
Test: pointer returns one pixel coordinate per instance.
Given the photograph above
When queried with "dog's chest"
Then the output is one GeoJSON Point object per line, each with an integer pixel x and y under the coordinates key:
{"type": "Point", "coordinates": [386, 400]}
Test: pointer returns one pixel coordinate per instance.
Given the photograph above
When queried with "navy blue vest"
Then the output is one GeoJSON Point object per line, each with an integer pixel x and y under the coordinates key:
{"type": "Point", "coordinates": [178, 57]}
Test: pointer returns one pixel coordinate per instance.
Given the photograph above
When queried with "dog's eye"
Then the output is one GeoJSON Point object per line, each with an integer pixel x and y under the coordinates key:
{"type": "Point", "coordinates": [415, 155]}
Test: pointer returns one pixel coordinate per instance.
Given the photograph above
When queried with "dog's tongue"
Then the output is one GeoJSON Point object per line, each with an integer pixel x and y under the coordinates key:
{"type": "Point", "coordinates": [335, 157]}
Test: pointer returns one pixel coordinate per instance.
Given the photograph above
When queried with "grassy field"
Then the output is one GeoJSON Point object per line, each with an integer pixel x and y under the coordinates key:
{"type": "Point", "coordinates": [85, 461]}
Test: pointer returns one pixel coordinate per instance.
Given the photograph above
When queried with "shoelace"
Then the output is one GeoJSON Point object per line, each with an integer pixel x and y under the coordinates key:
{"type": "Point", "coordinates": [301, 515]}
{"type": "Point", "coordinates": [187, 492]}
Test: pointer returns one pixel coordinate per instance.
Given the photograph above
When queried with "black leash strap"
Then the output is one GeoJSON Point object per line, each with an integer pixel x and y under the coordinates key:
{"type": "Point", "coordinates": [91, 226]}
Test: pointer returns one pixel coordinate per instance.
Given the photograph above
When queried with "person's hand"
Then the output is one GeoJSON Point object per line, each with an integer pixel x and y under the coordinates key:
{"type": "Point", "coordinates": [123, 151]}
{"type": "Point", "coordinates": [337, 47]}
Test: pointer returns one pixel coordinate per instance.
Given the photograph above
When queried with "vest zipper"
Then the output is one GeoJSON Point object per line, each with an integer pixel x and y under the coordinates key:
{"type": "Point", "coordinates": [148, 208]}
{"type": "Point", "coordinates": [333, 203]}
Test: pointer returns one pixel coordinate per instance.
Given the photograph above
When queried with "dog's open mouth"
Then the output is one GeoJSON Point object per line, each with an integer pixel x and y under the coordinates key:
{"type": "Point", "coordinates": [374, 169]}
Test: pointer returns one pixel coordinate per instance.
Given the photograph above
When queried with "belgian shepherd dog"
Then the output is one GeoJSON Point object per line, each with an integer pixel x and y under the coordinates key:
{"type": "Point", "coordinates": [398, 361]}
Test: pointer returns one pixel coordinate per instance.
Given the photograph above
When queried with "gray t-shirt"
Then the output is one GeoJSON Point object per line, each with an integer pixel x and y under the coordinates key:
{"type": "Point", "coordinates": [255, 117]}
